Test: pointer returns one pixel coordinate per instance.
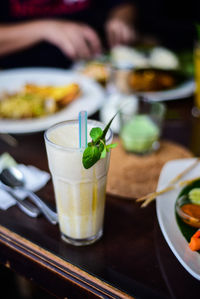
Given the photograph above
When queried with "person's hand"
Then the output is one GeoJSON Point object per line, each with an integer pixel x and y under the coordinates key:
{"type": "Point", "coordinates": [76, 40]}
{"type": "Point", "coordinates": [119, 32]}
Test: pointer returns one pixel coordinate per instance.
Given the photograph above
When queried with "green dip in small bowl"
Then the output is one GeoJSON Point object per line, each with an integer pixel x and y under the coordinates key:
{"type": "Point", "coordinates": [140, 134]}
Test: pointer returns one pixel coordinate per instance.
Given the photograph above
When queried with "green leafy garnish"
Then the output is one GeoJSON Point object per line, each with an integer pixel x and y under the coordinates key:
{"type": "Point", "coordinates": [95, 133]}
{"type": "Point", "coordinates": [97, 148]}
{"type": "Point", "coordinates": [187, 231]}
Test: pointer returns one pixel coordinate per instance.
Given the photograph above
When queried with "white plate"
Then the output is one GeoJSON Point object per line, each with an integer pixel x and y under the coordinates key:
{"type": "Point", "coordinates": [92, 97]}
{"type": "Point", "coordinates": [184, 90]}
{"type": "Point", "coordinates": [165, 206]}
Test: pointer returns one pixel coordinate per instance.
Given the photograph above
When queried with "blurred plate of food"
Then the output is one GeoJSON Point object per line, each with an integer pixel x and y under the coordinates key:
{"type": "Point", "coordinates": [168, 219]}
{"type": "Point", "coordinates": [33, 99]}
{"type": "Point", "coordinates": [156, 73]}
{"type": "Point", "coordinates": [160, 85]}
{"type": "Point", "coordinates": [99, 69]}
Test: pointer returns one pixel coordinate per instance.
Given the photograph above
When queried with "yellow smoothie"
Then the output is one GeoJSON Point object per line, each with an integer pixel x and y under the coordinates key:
{"type": "Point", "coordinates": [79, 192]}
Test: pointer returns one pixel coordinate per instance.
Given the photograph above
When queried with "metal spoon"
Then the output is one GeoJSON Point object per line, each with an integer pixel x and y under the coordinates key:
{"type": "Point", "coordinates": [14, 178]}
{"type": "Point", "coordinates": [25, 206]}
{"type": "Point", "coordinates": [9, 139]}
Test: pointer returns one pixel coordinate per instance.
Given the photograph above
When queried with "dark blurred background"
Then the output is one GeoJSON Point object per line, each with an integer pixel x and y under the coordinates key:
{"type": "Point", "coordinates": [171, 22]}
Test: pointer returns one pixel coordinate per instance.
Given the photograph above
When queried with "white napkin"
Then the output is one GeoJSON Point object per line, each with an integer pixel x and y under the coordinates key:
{"type": "Point", "coordinates": [34, 179]}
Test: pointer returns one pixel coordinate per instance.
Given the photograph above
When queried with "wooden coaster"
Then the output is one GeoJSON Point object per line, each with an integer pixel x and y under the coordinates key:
{"type": "Point", "coordinates": [133, 176]}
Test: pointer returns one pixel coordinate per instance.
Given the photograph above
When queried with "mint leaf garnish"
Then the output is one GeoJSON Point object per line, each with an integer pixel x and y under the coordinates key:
{"type": "Point", "coordinates": [107, 127]}
{"type": "Point", "coordinates": [97, 148]}
{"type": "Point", "coordinates": [91, 156]}
{"type": "Point", "coordinates": [103, 153]}
{"type": "Point", "coordinates": [96, 133]}
{"type": "Point", "coordinates": [109, 146]}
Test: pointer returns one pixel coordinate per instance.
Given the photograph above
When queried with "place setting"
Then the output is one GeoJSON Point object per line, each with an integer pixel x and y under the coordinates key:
{"type": "Point", "coordinates": [17, 182]}
{"type": "Point", "coordinates": [78, 154]}
{"type": "Point", "coordinates": [137, 121]}
{"type": "Point", "coordinates": [121, 158]}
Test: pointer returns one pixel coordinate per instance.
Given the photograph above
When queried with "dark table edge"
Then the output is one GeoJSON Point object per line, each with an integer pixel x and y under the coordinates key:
{"type": "Point", "coordinates": [79, 278]}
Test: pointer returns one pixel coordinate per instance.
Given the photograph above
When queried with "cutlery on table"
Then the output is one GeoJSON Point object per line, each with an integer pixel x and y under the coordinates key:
{"type": "Point", "coordinates": [9, 139]}
{"type": "Point", "coordinates": [25, 206]}
{"type": "Point", "coordinates": [14, 178]}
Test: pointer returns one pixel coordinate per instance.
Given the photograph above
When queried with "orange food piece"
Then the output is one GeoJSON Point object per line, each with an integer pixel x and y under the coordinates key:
{"type": "Point", "coordinates": [195, 241]}
{"type": "Point", "coordinates": [192, 209]}
{"type": "Point", "coordinates": [72, 92]}
{"type": "Point", "coordinates": [96, 71]}
{"type": "Point", "coordinates": [192, 212]}
{"type": "Point", "coordinates": [61, 94]}
{"type": "Point", "coordinates": [150, 80]}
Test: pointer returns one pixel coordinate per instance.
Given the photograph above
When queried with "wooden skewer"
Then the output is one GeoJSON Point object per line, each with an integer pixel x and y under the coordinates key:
{"type": "Point", "coordinates": [155, 194]}
{"type": "Point", "coordinates": [174, 180]}
{"type": "Point", "coordinates": [151, 198]}
{"type": "Point", "coordinates": [185, 171]}
{"type": "Point", "coordinates": [186, 182]}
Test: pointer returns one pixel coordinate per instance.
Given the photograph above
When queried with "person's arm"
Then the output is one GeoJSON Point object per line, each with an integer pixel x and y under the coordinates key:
{"type": "Point", "coordinates": [74, 39]}
{"type": "Point", "coordinates": [19, 36]}
{"type": "Point", "coordinates": [124, 12]}
{"type": "Point", "coordinates": [120, 26]}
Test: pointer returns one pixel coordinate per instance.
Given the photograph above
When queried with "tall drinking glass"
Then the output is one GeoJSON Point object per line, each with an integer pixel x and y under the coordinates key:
{"type": "Point", "coordinates": [79, 192]}
{"type": "Point", "coordinates": [196, 109]}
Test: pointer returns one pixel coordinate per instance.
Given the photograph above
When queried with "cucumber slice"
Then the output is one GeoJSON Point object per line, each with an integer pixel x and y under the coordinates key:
{"type": "Point", "coordinates": [194, 196]}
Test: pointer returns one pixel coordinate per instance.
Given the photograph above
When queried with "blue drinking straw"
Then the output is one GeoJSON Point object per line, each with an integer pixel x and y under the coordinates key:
{"type": "Point", "coordinates": [82, 117]}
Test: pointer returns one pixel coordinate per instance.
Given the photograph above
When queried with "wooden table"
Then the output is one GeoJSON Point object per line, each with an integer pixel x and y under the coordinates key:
{"type": "Point", "coordinates": [132, 260]}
